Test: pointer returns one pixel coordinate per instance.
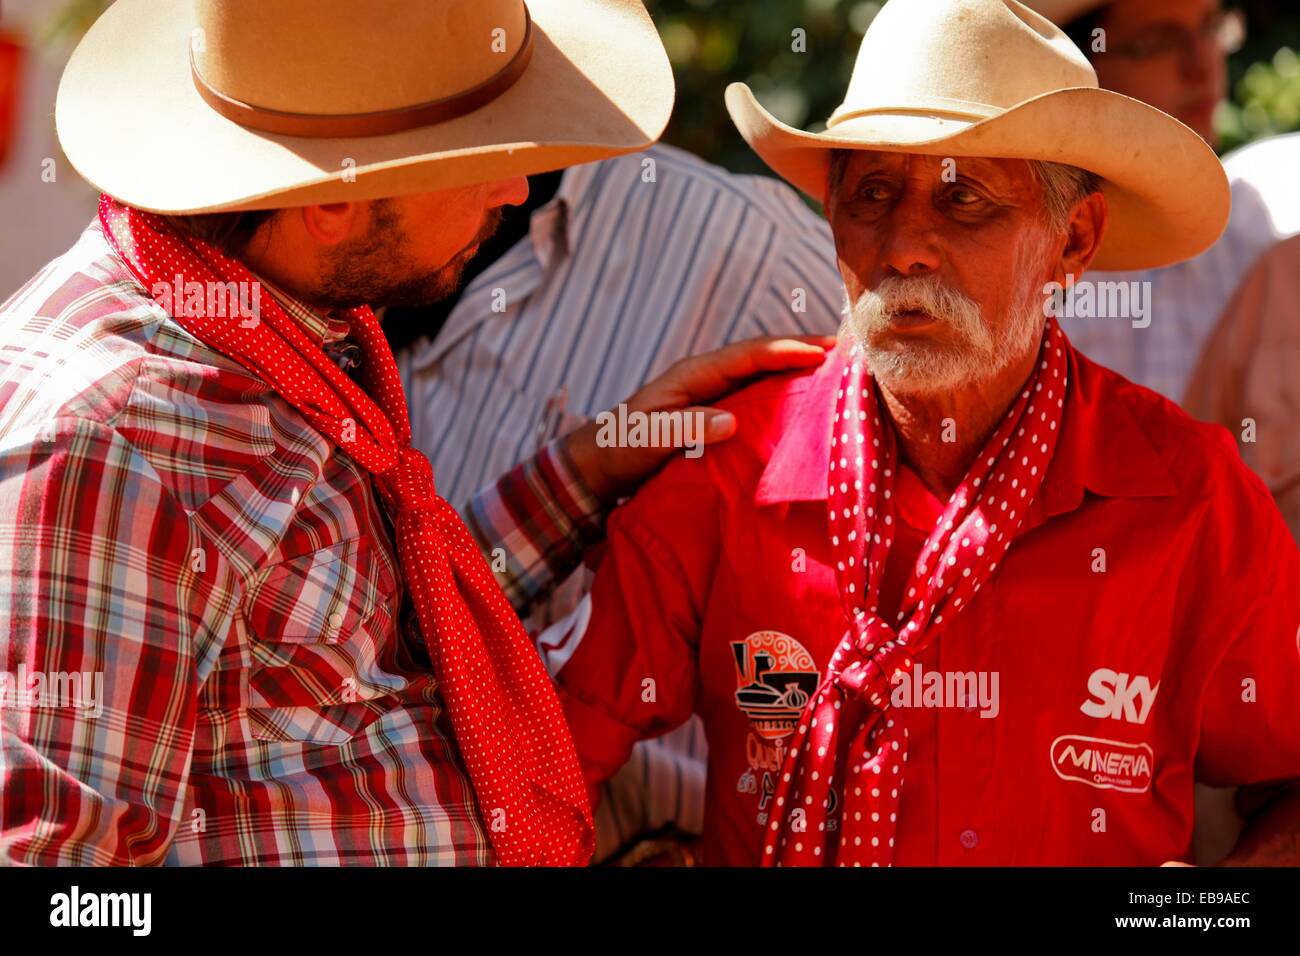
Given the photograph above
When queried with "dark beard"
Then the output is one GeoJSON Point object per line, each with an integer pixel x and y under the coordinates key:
{"type": "Point", "coordinates": [363, 269]}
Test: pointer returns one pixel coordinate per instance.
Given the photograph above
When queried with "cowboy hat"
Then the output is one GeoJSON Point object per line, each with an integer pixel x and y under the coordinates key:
{"type": "Point", "coordinates": [223, 105]}
{"type": "Point", "coordinates": [993, 78]}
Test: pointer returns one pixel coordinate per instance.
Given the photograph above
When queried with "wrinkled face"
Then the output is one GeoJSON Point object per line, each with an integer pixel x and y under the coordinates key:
{"type": "Point", "coordinates": [944, 261]}
{"type": "Point", "coordinates": [415, 247]}
{"type": "Point", "coordinates": [1166, 53]}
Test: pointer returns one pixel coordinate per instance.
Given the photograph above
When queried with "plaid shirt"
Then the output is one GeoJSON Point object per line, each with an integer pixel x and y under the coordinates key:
{"type": "Point", "coordinates": [207, 654]}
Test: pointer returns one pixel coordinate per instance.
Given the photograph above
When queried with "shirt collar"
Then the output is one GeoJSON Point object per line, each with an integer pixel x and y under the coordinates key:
{"type": "Point", "coordinates": [551, 228]}
{"type": "Point", "coordinates": [1102, 449]}
{"type": "Point", "coordinates": [323, 329]}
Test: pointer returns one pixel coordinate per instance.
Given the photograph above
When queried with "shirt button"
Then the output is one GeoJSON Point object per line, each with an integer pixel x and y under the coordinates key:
{"type": "Point", "coordinates": [969, 838]}
{"type": "Point", "coordinates": [336, 620]}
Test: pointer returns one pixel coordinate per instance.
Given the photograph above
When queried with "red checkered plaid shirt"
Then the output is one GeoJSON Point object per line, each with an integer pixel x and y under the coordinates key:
{"type": "Point", "coordinates": [206, 651]}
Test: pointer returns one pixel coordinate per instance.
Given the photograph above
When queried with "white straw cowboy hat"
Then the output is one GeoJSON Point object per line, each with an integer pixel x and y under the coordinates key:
{"type": "Point", "coordinates": [993, 78]}
{"type": "Point", "coordinates": [186, 106]}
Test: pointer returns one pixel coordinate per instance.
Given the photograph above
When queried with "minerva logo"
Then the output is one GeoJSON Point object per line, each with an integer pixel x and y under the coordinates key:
{"type": "Point", "coordinates": [1104, 764]}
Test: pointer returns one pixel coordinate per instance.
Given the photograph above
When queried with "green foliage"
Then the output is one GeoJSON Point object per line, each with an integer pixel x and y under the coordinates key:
{"type": "Point", "coordinates": [715, 42]}
{"type": "Point", "coordinates": [1266, 100]}
{"type": "Point", "coordinates": [68, 21]}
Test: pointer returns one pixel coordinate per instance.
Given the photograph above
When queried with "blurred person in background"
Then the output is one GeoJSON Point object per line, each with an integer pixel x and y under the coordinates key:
{"type": "Point", "coordinates": [1249, 377]}
{"type": "Point", "coordinates": [1171, 54]}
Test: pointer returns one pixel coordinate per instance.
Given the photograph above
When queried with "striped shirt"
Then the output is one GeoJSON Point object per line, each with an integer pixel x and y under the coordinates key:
{"type": "Point", "coordinates": [1161, 349]}
{"type": "Point", "coordinates": [207, 654]}
{"type": "Point", "coordinates": [637, 262]}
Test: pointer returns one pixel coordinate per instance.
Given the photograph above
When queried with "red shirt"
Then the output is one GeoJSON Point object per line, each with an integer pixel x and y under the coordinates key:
{"type": "Point", "coordinates": [1140, 635]}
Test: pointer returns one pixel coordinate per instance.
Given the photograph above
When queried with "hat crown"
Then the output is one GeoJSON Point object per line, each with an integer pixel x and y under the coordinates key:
{"type": "Point", "coordinates": [340, 56]}
{"type": "Point", "coordinates": [969, 58]}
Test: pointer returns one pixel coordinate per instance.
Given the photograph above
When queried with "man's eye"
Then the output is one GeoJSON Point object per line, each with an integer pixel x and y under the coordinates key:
{"type": "Point", "coordinates": [874, 192]}
{"type": "Point", "coordinates": [964, 197]}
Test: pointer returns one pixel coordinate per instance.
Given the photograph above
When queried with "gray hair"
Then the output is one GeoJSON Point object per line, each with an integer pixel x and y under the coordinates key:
{"type": "Point", "coordinates": [1063, 185]}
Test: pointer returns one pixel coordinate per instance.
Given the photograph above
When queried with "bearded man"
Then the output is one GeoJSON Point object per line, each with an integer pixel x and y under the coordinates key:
{"type": "Point", "coordinates": [283, 645]}
{"type": "Point", "coordinates": [961, 596]}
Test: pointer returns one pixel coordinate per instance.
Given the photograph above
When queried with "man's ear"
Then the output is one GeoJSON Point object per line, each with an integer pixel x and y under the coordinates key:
{"type": "Point", "coordinates": [331, 223]}
{"type": "Point", "coordinates": [1083, 237]}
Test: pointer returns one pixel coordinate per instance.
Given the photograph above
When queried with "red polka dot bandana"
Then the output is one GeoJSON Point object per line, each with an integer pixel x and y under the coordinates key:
{"type": "Point", "coordinates": [838, 797]}
{"type": "Point", "coordinates": [504, 711]}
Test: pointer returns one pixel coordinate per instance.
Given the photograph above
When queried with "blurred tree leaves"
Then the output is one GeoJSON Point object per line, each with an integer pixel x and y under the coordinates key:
{"type": "Point", "coordinates": [715, 42]}
{"type": "Point", "coordinates": [67, 22]}
{"type": "Point", "coordinates": [1266, 100]}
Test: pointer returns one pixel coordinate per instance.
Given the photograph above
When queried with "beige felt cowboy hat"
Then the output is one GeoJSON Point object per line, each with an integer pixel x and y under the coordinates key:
{"type": "Point", "coordinates": [186, 106]}
{"type": "Point", "coordinates": [993, 78]}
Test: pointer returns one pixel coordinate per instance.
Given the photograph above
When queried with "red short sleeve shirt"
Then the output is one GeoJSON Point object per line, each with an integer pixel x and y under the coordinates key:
{"type": "Point", "coordinates": [1140, 635]}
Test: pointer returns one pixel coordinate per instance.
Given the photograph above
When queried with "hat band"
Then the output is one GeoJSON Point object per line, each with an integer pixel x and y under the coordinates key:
{"type": "Point", "coordinates": [381, 123]}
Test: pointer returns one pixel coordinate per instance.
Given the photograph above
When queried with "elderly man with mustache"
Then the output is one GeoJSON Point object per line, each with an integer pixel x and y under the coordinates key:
{"type": "Point", "coordinates": [961, 596]}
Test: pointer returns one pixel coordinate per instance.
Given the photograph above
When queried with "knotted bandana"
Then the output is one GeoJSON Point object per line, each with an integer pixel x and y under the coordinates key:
{"type": "Point", "coordinates": [504, 712]}
{"type": "Point", "coordinates": [850, 710]}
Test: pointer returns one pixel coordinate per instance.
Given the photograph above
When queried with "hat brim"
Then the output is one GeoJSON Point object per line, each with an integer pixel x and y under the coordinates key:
{"type": "Point", "coordinates": [1166, 193]}
{"type": "Point", "coordinates": [131, 122]}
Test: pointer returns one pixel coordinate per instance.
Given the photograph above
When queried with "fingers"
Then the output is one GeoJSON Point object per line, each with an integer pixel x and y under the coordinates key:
{"type": "Point", "coordinates": [821, 341]}
{"type": "Point", "coordinates": [704, 378]}
{"type": "Point", "coordinates": [719, 425]}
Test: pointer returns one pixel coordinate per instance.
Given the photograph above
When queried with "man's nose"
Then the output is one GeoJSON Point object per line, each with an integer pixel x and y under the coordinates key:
{"type": "Point", "coordinates": [508, 192]}
{"type": "Point", "coordinates": [909, 246]}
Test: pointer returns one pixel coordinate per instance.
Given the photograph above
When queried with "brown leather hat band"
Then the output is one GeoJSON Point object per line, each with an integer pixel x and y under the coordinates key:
{"type": "Point", "coordinates": [343, 125]}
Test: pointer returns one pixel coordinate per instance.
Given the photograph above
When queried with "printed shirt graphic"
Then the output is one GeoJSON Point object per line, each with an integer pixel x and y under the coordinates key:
{"type": "Point", "coordinates": [775, 679]}
{"type": "Point", "coordinates": [1156, 557]}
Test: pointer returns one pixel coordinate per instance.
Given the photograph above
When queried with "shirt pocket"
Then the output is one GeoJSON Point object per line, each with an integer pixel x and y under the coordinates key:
{"type": "Point", "coordinates": [318, 626]}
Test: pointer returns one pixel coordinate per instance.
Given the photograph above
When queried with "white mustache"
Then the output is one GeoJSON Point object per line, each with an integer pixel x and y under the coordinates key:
{"type": "Point", "coordinates": [877, 307]}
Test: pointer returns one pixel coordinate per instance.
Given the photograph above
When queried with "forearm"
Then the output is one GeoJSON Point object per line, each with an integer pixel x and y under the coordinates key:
{"type": "Point", "coordinates": [535, 524]}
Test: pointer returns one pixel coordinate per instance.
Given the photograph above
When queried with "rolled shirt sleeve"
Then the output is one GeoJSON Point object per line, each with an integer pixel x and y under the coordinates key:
{"type": "Point", "coordinates": [534, 524]}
